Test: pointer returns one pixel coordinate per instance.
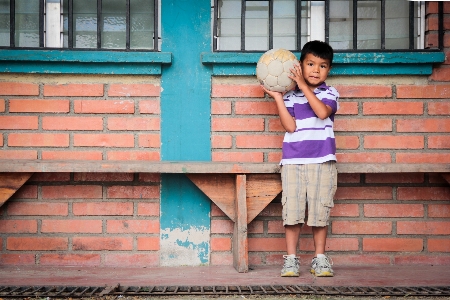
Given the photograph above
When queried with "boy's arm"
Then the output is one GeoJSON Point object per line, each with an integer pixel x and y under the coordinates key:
{"type": "Point", "coordinates": [321, 110]}
{"type": "Point", "coordinates": [286, 119]}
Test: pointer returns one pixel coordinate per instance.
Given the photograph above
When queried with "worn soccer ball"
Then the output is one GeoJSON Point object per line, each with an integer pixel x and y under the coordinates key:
{"type": "Point", "coordinates": [273, 69]}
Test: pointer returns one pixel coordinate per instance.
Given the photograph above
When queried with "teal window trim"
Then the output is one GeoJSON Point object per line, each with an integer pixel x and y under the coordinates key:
{"type": "Point", "coordinates": [355, 63]}
{"type": "Point", "coordinates": [83, 62]}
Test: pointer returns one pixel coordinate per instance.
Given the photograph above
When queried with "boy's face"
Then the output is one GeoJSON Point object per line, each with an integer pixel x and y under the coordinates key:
{"type": "Point", "coordinates": [315, 70]}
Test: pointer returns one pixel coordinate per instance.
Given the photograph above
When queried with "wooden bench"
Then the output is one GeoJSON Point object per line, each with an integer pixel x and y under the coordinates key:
{"type": "Point", "coordinates": [240, 190]}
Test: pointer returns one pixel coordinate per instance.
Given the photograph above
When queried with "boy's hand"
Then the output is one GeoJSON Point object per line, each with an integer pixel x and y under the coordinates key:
{"type": "Point", "coordinates": [272, 93]}
{"type": "Point", "coordinates": [297, 75]}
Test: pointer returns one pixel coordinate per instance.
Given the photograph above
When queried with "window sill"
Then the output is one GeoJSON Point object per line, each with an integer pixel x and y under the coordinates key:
{"type": "Point", "coordinates": [360, 63]}
{"type": "Point", "coordinates": [82, 62]}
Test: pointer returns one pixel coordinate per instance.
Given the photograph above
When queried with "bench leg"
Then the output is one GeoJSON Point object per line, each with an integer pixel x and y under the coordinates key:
{"type": "Point", "coordinates": [10, 183]}
{"type": "Point", "coordinates": [240, 242]}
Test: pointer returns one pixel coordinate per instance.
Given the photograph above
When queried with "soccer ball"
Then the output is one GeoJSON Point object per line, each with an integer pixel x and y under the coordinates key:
{"type": "Point", "coordinates": [273, 69]}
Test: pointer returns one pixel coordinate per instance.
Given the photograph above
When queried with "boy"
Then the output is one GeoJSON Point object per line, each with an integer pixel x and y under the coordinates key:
{"type": "Point", "coordinates": [308, 174]}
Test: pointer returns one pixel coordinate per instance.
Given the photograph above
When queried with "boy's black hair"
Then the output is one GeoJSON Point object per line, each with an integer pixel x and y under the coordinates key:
{"type": "Point", "coordinates": [319, 49]}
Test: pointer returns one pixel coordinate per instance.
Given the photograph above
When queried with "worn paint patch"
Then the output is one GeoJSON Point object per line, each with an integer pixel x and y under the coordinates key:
{"type": "Point", "coordinates": [185, 247]}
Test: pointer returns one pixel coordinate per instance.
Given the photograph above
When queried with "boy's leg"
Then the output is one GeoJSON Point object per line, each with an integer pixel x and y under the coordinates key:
{"type": "Point", "coordinates": [320, 239]}
{"type": "Point", "coordinates": [292, 236]}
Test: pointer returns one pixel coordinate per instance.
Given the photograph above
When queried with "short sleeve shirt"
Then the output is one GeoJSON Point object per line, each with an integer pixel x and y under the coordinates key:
{"type": "Point", "coordinates": [313, 140]}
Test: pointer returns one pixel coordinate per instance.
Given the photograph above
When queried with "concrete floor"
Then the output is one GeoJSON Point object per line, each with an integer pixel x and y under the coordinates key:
{"type": "Point", "coordinates": [345, 276]}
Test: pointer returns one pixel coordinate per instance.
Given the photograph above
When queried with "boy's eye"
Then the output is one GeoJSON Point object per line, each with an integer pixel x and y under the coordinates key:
{"type": "Point", "coordinates": [310, 64]}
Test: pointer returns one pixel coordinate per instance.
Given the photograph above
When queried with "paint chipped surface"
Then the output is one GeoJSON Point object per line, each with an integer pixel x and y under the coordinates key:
{"type": "Point", "coordinates": [185, 247]}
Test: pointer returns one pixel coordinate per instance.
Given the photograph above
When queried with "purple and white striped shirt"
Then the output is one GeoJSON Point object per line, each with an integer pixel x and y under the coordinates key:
{"type": "Point", "coordinates": [313, 140]}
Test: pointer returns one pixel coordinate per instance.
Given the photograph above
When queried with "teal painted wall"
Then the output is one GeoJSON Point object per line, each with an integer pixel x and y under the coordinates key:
{"type": "Point", "coordinates": [185, 130]}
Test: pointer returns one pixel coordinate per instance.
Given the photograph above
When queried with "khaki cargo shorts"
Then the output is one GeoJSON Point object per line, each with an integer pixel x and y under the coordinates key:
{"type": "Point", "coordinates": [308, 187]}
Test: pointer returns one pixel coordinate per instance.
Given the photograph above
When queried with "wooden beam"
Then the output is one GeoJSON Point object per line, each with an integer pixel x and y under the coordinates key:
{"type": "Point", "coordinates": [261, 190]}
{"type": "Point", "coordinates": [10, 183]}
{"type": "Point", "coordinates": [240, 241]}
{"type": "Point", "coordinates": [446, 176]}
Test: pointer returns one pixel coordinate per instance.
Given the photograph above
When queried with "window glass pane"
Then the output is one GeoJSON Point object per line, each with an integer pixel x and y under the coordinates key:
{"type": "Point", "coordinates": [114, 24]}
{"type": "Point", "coordinates": [142, 25]}
{"type": "Point", "coordinates": [341, 24]}
{"type": "Point", "coordinates": [84, 23]}
{"type": "Point", "coordinates": [4, 23]}
{"type": "Point", "coordinates": [284, 24]}
{"type": "Point", "coordinates": [257, 25]}
{"type": "Point", "coordinates": [397, 24]}
{"type": "Point", "coordinates": [369, 25]}
{"type": "Point", "coordinates": [27, 23]}
{"type": "Point", "coordinates": [229, 25]}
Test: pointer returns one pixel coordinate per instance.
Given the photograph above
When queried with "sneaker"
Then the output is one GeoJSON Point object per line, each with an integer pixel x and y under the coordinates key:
{"type": "Point", "coordinates": [291, 266]}
{"type": "Point", "coordinates": [321, 266]}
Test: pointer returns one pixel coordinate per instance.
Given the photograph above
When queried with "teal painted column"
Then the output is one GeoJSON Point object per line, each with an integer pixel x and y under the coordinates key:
{"type": "Point", "coordinates": [185, 130]}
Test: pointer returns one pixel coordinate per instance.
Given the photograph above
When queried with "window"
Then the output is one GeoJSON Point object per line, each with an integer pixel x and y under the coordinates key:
{"type": "Point", "coordinates": [79, 24]}
{"type": "Point", "coordinates": [347, 25]}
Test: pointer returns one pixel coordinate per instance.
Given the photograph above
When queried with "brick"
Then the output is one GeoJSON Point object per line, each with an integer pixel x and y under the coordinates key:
{"type": "Point", "coordinates": [240, 91]}
{"type": "Point", "coordinates": [134, 90]}
{"type": "Point", "coordinates": [26, 192]}
{"type": "Point", "coordinates": [103, 140]}
{"type": "Point", "coordinates": [393, 142]}
{"type": "Point", "coordinates": [149, 140]}
{"type": "Point", "coordinates": [103, 177]}
{"type": "Point", "coordinates": [361, 227]}
{"type": "Point", "coordinates": [333, 244]}
{"type": "Point", "coordinates": [131, 260]}
{"type": "Point", "coordinates": [393, 210]}
{"type": "Point", "coordinates": [347, 142]}
{"type": "Point", "coordinates": [255, 226]}
{"type": "Point", "coordinates": [71, 155]}
{"type": "Point", "coordinates": [439, 245]}
{"type": "Point", "coordinates": [134, 155]}
{"type": "Point", "coordinates": [423, 193]}
{"type": "Point", "coordinates": [440, 74]}
{"type": "Point", "coordinates": [37, 209]}
{"type": "Point", "coordinates": [71, 226]}
{"type": "Point", "coordinates": [423, 125]}
{"type": "Point", "coordinates": [103, 106]}
{"type": "Point", "coordinates": [149, 177]}
{"type": "Point", "coordinates": [439, 108]}
{"type": "Point", "coordinates": [103, 209]}
{"type": "Point", "coordinates": [275, 125]}
{"type": "Point", "coordinates": [146, 123]}
{"type": "Point", "coordinates": [86, 260]}
{"type": "Point", "coordinates": [410, 260]}
{"type": "Point", "coordinates": [148, 243]}
{"type": "Point", "coordinates": [74, 90]}
{"type": "Point", "coordinates": [378, 124]}
{"type": "Point", "coordinates": [237, 124]}
{"type": "Point", "coordinates": [102, 243]}
{"type": "Point", "coordinates": [222, 259]}
{"type": "Point", "coordinates": [361, 260]}
{"type": "Point", "coordinates": [17, 259]}
{"type": "Point", "coordinates": [364, 193]}
{"type": "Point", "coordinates": [349, 178]}
{"type": "Point", "coordinates": [348, 108]}
{"type": "Point", "coordinates": [439, 211]}
{"type": "Point", "coordinates": [133, 192]}
{"type": "Point", "coordinates": [50, 177]}
{"type": "Point", "coordinates": [132, 226]}
{"type": "Point", "coordinates": [364, 91]}
{"type": "Point", "coordinates": [277, 227]}
{"type": "Point", "coordinates": [266, 244]}
{"type": "Point", "coordinates": [259, 141]}
{"type": "Point", "coordinates": [72, 192]}
{"type": "Point", "coordinates": [222, 226]}
{"type": "Point", "coordinates": [18, 122]}
{"type": "Point", "coordinates": [393, 244]}
{"type": "Point", "coordinates": [345, 210]}
{"type": "Point", "coordinates": [18, 226]}
{"type": "Point", "coordinates": [37, 243]}
{"type": "Point", "coordinates": [238, 156]}
{"type": "Point", "coordinates": [255, 108]}
{"type": "Point", "coordinates": [423, 227]}
{"type": "Point", "coordinates": [221, 141]}
{"type": "Point", "coordinates": [2, 105]}
{"type": "Point", "coordinates": [423, 91]}
{"type": "Point", "coordinates": [38, 140]}
{"type": "Point", "coordinates": [394, 178]}
{"type": "Point", "coordinates": [431, 158]}
{"type": "Point", "coordinates": [39, 105]}
{"type": "Point", "coordinates": [439, 142]}
{"type": "Point", "coordinates": [19, 89]}
{"type": "Point", "coordinates": [393, 108]}
{"type": "Point", "coordinates": [72, 123]}
{"type": "Point", "coordinates": [272, 210]}
{"type": "Point", "coordinates": [274, 157]}
{"type": "Point", "coordinates": [149, 107]}
{"type": "Point", "coordinates": [18, 154]}
{"type": "Point", "coordinates": [364, 157]}
{"type": "Point", "coordinates": [148, 209]}
{"type": "Point", "coordinates": [220, 244]}
{"type": "Point", "coordinates": [221, 107]}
